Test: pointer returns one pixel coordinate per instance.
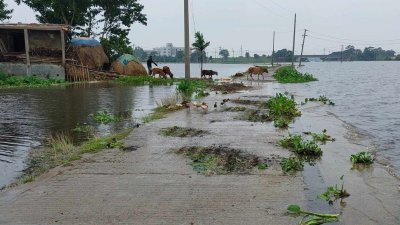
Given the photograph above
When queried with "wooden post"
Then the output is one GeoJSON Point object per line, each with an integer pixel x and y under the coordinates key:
{"type": "Point", "coordinates": [63, 47]}
{"type": "Point", "coordinates": [28, 59]}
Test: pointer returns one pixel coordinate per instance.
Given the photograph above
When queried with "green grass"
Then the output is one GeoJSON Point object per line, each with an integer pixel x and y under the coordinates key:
{"type": "Point", "coordinates": [142, 80]}
{"type": "Point", "coordinates": [61, 151]}
{"type": "Point", "coordinates": [298, 145]}
{"type": "Point", "coordinates": [7, 81]}
{"type": "Point", "coordinates": [100, 143]}
{"type": "Point", "coordinates": [82, 128]}
{"type": "Point", "coordinates": [292, 165]}
{"type": "Point", "coordinates": [103, 117]}
{"type": "Point", "coordinates": [288, 74]}
{"type": "Point", "coordinates": [362, 158]}
{"type": "Point", "coordinates": [193, 87]}
{"type": "Point", "coordinates": [282, 110]}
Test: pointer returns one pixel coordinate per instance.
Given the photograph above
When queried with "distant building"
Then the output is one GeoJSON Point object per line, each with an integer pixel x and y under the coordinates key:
{"type": "Point", "coordinates": [169, 50]}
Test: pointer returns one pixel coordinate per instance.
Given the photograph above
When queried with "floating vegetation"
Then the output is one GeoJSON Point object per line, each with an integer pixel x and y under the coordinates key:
{"type": "Point", "coordinates": [218, 160]}
{"type": "Point", "coordinates": [289, 74]}
{"type": "Point", "coordinates": [235, 109]}
{"type": "Point", "coordinates": [82, 128]}
{"type": "Point", "coordinates": [321, 98]}
{"type": "Point", "coordinates": [298, 145]}
{"type": "Point", "coordinates": [27, 81]}
{"type": "Point", "coordinates": [256, 115]}
{"type": "Point", "coordinates": [182, 132]}
{"type": "Point", "coordinates": [322, 138]}
{"type": "Point", "coordinates": [103, 117]}
{"type": "Point", "coordinates": [362, 158]}
{"type": "Point", "coordinates": [311, 218]}
{"type": "Point", "coordinates": [246, 102]}
{"type": "Point", "coordinates": [334, 193]}
{"type": "Point", "coordinates": [229, 87]}
{"type": "Point", "coordinates": [282, 122]}
{"type": "Point", "coordinates": [291, 165]}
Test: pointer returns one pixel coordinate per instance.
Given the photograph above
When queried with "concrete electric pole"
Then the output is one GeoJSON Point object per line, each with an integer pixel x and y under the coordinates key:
{"type": "Point", "coordinates": [302, 46]}
{"type": "Point", "coordinates": [294, 39]}
{"type": "Point", "coordinates": [187, 44]}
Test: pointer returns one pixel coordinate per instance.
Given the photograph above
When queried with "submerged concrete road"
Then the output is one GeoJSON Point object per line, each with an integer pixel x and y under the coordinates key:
{"type": "Point", "coordinates": [153, 185]}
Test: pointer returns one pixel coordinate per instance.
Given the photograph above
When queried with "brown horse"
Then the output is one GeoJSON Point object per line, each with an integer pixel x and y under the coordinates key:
{"type": "Point", "coordinates": [256, 70]}
{"type": "Point", "coordinates": [162, 72]}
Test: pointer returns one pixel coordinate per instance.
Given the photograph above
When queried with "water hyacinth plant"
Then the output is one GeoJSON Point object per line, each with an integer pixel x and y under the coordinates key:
{"type": "Point", "coordinates": [302, 147]}
{"type": "Point", "coordinates": [362, 158]}
{"type": "Point", "coordinates": [311, 218]}
{"type": "Point", "coordinates": [291, 165]}
{"type": "Point", "coordinates": [289, 74]}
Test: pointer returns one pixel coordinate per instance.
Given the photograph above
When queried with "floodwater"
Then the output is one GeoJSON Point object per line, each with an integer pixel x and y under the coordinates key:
{"type": "Point", "coordinates": [29, 116]}
{"type": "Point", "coordinates": [367, 95]}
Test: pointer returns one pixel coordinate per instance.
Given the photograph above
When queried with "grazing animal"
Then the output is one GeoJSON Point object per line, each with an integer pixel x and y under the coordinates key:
{"type": "Point", "coordinates": [208, 73]}
{"type": "Point", "coordinates": [256, 70]}
{"type": "Point", "coordinates": [162, 72]}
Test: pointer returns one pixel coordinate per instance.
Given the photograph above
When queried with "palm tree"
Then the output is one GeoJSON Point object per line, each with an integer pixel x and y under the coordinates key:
{"type": "Point", "coordinates": [200, 45]}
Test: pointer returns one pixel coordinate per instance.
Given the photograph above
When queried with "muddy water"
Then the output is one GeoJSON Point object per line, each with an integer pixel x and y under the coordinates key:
{"type": "Point", "coordinates": [28, 116]}
{"type": "Point", "coordinates": [367, 95]}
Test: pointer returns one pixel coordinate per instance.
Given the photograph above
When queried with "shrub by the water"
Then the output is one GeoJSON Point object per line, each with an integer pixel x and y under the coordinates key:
{"type": "Point", "coordinates": [298, 145]}
{"type": "Point", "coordinates": [288, 74]}
{"type": "Point", "coordinates": [26, 81]}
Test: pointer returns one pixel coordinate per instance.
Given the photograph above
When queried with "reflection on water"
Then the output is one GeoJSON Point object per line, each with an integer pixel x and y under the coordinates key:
{"type": "Point", "coordinates": [28, 116]}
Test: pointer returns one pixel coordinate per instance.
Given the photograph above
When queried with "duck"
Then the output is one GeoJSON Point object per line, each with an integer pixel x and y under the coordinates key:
{"type": "Point", "coordinates": [215, 105]}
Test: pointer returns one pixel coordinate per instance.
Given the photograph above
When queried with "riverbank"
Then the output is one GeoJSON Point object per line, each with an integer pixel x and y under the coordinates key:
{"type": "Point", "coordinates": [153, 185]}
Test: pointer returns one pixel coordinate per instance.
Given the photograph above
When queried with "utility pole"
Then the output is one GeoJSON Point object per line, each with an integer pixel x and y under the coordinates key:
{"type": "Point", "coordinates": [241, 50]}
{"type": "Point", "coordinates": [294, 40]}
{"type": "Point", "coordinates": [273, 50]}
{"type": "Point", "coordinates": [215, 56]}
{"type": "Point", "coordinates": [187, 44]}
{"type": "Point", "coordinates": [233, 53]}
{"type": "Point", "coordinates": [341, 55]}
{"type": "Point", "coordinates": [302, 46]}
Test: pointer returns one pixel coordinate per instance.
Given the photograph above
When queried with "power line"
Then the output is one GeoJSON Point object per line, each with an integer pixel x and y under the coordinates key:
{"type": "Point", "coordinates": [346, 39]}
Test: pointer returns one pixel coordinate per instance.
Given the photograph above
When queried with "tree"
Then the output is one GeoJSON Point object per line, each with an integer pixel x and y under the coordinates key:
{"type": "Point", "coordinates": [224, 53]}
{"type": "Point", "coordinates": [283, 55]}
{"type": "Point", "coordinates": [179, 56]}
{"type": "Point", "coordinates": [200, 46]}
{"type": "Point", "coordinates": [5, 13]}
{"type": "Point", "coordinates": [256, 56]}
{"type": "Point", "coordinates": [247, 55]}
{"type": "Point", "coordinates": [140, 53]}
{"type": "Point", "coordinates": [112, 19]}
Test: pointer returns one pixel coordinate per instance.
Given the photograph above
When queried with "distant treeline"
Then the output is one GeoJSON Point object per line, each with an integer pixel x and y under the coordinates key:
{"type": "Point", "coordinates": [369, 54]}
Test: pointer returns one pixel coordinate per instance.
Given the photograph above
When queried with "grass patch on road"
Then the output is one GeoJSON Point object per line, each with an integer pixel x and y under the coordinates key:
{"type": "Point", "coordinates": [288, 74]}
{"type": "Point", "coordinates": [61, 151]}
{"type": "Point", "coordinates": [218, 160]}
{"type": "Point", "coordinates": [144, 80]}
{"type": "Point", "coordinates": [182, 132]}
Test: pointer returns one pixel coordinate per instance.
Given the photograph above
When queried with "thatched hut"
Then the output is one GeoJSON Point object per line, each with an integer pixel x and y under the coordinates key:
{"type": "Point", "coordinates": [89, 53]}
{"type": "Point", "coordinates": [128, 65]}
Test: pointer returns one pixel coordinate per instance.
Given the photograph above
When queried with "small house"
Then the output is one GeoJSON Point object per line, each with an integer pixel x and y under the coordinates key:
{"type": "Point", "coordinates": [33, 49]}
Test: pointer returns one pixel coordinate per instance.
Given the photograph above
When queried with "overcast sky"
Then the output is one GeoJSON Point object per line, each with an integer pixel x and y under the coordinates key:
{"type": "Point", "coordinates": [231, 24]}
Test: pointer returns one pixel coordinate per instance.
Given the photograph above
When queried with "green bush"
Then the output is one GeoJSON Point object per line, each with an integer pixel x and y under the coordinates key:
{"type": "Point", "coordinates": [288, 74]}
{"type": "Point", "coordinates": [26, 81]}
{"type": "Point", "coordinates": [190, 87]}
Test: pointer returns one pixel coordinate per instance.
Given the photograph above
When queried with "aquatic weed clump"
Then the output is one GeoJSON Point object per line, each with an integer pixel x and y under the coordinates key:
{"type": "Point", "coordinates": [219, 160]}
{"type": "Point", "coordinates": [176, 131]}
{"type": "Point", "coordinates": [292, 164]}
{"type": "Point", "coordinates": [289, 74]}
{"type": "Point", "coordinates": [282, 110]}
{"type": "Point", "coordinates": [298, 145]}
{"type": "Point", "coordinates": [362, 158]}
{"type": "Point", "coordinates": [192, 87]}
{"type": "Point", "coordinates": [322, 138]}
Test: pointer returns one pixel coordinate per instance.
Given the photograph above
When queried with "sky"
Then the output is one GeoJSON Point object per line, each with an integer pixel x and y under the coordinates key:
{"type": "Point", "coordinates": [248, 25]}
